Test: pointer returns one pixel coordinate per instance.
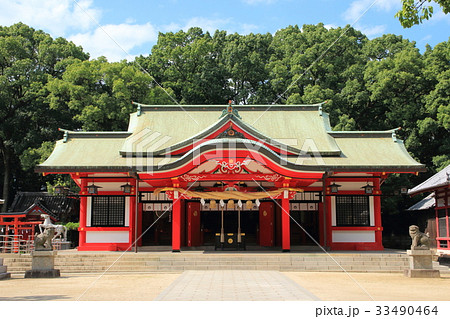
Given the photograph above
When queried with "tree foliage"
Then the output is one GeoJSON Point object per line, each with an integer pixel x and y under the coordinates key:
{"type": "Point", "coordinates": [189, 63]}
{"type": "Point", "coordinates": [28, 60]}
{"type": "Point", "coordinates": [376, 84]}
{"type": "Point", "coordinates": [416, 11]}
{"type": "Point", "coordinates": [97, 94]}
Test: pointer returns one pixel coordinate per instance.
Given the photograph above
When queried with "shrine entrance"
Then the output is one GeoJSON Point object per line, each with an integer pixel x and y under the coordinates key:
{"type": "Point", "coordinates": [156, 223]}
{"type": "Point", "coordinates": [160, 231]}
{"type": "Point", "coordinates": [249, 222]}
{"type": "Point", "coordinates": [211, 225]}
{"type": "Point", "coordinates": [309, 222]}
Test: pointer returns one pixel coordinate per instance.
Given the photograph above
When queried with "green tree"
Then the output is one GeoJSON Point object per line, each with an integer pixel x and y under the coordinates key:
{"type": "Point", "coordinates": [415, 11]}
{"type": "Point", "coordinates": [28, 59]}
{"type": "Point", "coordinates": [434, 127]}
{"type": "Point", "coordinates": [355, 98]}
{"type": "Point", "coordinates": [314, 64]}
{"type": "Point", "coordinates": [188, 63]}
{"type": "Point", "coordinates": [98, 94]}
{"type": "Point", "coordinates": [245, 58]}
{"type": "Point", "coordinates": [396, 87]}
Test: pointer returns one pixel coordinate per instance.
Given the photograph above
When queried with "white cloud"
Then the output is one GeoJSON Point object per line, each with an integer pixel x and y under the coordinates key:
{"type": "Point", "coordinates": [355, 10]}
{"type": "Point", "coordinates": [358, 7]}
{"type": "Point", "coordinates": [211, 25]}
{"type": "Point", "coordinates": [426, 38]}
{"type": "Point", "coordinates": [54, 16]}
{"type": "Point", "coordinates": [115, 41]}
{"type": "Point", "coordinates": [330, 26]}
{"type": "Point", "coordinates": [173, 27]}
{"type": "Point", "coordinates": [387, 5]}
{"type": "Point", "coordinates": [438, 16]}
{"type": "Point", "coordinates": [373, 31]}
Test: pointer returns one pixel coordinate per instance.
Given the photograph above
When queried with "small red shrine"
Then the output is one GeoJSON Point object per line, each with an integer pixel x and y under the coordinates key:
{"type": "Point", "coordinates": [439, 186]}
{"type": "Point", "coordinates": [20, 222]}
{"type": "Point", "coordinates": [276, 175]}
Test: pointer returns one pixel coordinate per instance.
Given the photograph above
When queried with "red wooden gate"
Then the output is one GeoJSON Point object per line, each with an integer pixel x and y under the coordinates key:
{"type": "Point", "coordinates": [193, 221]}
{"type": "Point", "coordinates": [266, 224]}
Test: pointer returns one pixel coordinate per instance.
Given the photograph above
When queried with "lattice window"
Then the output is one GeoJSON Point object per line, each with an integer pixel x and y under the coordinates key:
{"type": "Point", "coordinates": [352, 211]}
{"type": "Point", "coordinates": [442, 223]}
{"type": "Point", "coordinates": [108, 211]}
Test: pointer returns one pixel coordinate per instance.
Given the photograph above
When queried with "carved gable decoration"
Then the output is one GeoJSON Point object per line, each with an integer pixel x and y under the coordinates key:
{"type": "Point", "coordinates": [231, 133]}
{"type": "Point", "coordinates": [246, 166]}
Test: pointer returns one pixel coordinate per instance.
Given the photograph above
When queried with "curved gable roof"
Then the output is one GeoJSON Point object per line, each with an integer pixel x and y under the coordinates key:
{"type": "Point", "coordinates": [159, 129]}
{"type": "Point", "coordinates": [440, 179]}
{"type": "Point", "coordinates": [164, 134]}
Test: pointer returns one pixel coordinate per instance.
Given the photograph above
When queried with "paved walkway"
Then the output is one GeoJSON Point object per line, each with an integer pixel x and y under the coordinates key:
{"type": "Point", "coordinates": [235, 285]}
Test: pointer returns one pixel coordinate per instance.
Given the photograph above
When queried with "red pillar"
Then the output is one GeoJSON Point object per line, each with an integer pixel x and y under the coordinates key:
{"type": "Point", "coordinates": [132, 218]}
{"type": "Point", "coordinates": [377, 215]}
{"type": "Point", "coordinates": [83, 213]}
{"type": "Point", "coordinates": [285, 223]}
{"type": "Point", "coordinates": [176, 223]}
{"type": "Point", "coordinates": [321, 223]}
{"type": "Point", "coordinates": [139, 224]}
{"type": "Point", "coordinates": [16, 235]}
{"type": "Point", "coordinates": [328, 224]}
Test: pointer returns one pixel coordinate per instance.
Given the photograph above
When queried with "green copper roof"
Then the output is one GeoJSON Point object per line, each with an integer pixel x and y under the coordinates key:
{"type": "Point", "coordinates": [293, 125]}
{"type": "Point", "coordinates": [304, 130]}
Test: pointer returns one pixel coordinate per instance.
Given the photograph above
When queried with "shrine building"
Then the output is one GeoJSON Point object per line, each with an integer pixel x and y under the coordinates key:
{"type": "Point", "coordinates": [439, 200]}
{"type": "Point", "coordinates": [219, 175]}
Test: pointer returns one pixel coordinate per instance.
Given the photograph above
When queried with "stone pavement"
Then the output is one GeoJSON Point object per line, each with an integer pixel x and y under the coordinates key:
{"type": "Point", "coordinates": [234, 285]}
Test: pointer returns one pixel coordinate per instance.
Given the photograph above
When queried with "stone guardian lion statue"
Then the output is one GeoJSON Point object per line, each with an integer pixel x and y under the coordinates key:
{"type": "Point", "coordinates": [43, 241]}
{"type": "Point", "coordinates": [419, 239]}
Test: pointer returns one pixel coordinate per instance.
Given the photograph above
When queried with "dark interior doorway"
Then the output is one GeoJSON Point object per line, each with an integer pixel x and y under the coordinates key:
{"type": "Point", "coordinates": [211, 220]}
{"type": "Point", "coordinates": [161, 232]}
{"type": "Point", "coordinates": [309, 220]}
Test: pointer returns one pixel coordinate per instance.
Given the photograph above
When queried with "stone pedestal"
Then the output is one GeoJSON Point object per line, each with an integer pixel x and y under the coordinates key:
{"type": "Point", "coordinates": [3, 271]}
{"type": "Point", "coordinates": [43, 265]}
{"type": "Point", "coordinates": [421, 264]}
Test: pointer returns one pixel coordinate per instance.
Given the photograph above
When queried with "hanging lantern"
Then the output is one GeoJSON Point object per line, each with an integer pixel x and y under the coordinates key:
{"type": "Point", "coordinates": [368, 189]}
{"type": "Point", "coordinates": [249, 204]}
{"type": "Point", "coordinates": [257, 202]}
{"type": "Point", "coordinates": [93, 189]}
{"type": "Point", "coordinates": [230, 204]}
{"type": "Point", "coordinates": [126, 188]}
{"type": "Point", "coordinates": [222, 203]}
{"type": "Point", "coordinates": [212, 204]}
{"type": "Point", "coordinates": [334, 188]}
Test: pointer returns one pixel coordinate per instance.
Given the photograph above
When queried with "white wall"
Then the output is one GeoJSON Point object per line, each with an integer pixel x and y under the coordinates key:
{"type": "Point", "coordinates": [353, 236]}
{"type": "Point", "coordinates": [107, 237]}
{"type": "Point", "coordinates": [88, 211]}
{"type": "Point", "coordinates": [127, 211]}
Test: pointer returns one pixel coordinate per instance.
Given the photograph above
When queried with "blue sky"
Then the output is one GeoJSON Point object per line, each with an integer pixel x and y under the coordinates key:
{"type": "Point", "coordinates": [122, 29]}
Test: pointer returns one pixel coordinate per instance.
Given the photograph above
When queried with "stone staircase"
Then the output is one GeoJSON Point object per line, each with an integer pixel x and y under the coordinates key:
{"type": "Point", "coordinates": [442, 268]}
{"type": "Point", "coordinates": [3, 271]}
{"type": "Point", "coordinates": [95, 262]}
